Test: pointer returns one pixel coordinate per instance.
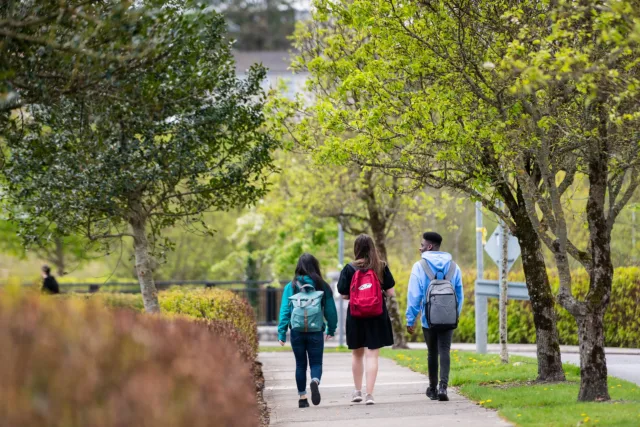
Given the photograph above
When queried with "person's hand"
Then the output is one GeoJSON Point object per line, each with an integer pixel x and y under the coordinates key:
{"type": "Point", "coordinates": [327, 337]}
{"type": "Point", "coordinates": [281, 343]}
{"type": "Point", "coordinates": [411, 329]}
{"type": "Point", "coordinates": [345, 297]}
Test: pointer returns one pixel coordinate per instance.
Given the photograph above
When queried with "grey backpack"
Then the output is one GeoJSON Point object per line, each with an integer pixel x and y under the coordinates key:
{"type": "Point", "coordinates": [441, 302]}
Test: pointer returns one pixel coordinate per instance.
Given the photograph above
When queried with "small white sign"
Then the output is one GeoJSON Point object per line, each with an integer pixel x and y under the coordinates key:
{"type": "Point", "coordinates": [493, 247]}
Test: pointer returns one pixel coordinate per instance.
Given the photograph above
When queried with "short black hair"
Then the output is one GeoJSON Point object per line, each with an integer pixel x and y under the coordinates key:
{"type": "Point", "coordinates": [46, 269]}
{"type": "Point", "coordinates": [432, 237]}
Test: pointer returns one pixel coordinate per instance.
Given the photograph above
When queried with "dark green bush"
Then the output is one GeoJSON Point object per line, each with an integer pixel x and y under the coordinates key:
{"type": "Point", "coordinates": [73, 363]}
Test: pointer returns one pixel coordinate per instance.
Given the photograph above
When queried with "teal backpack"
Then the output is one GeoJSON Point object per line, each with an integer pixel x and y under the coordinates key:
{"type": "Point", "coordinates": [307, 314]}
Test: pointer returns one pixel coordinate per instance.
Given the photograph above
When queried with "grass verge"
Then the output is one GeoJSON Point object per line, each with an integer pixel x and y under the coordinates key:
{"type": "Point", "coordinates": [511, 389]}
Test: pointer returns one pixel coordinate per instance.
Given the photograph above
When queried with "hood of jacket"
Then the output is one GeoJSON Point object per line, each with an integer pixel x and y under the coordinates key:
{"type": "Point", "coordinates": [438, 261]}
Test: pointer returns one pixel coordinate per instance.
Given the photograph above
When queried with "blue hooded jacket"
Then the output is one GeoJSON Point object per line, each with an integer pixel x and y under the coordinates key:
{"type": "Point", "coordinates": [330, 312]}
{"type": "Point", "coordinates": [419, 282]}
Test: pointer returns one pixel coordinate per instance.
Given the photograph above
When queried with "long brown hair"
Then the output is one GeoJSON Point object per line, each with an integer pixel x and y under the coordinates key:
{"type": "Point", "coordinates": [367, 256]}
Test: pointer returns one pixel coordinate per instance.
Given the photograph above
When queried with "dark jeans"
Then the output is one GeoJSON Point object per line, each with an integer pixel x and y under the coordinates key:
{"type": "Point", "coordinates": [311, 345]}
{"type": "Point", "coordinates": [438, 343]}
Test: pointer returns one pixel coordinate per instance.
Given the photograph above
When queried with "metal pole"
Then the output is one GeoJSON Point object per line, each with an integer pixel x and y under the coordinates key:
{"type": "Point", "coordinates": [342, 324]}
{"type": "Point", "coordinates": [482, 325]}
{"type": "Point", "coordinates": [504, 265]}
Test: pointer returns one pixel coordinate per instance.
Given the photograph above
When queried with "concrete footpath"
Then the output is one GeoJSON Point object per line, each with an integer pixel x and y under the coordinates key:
{"type": "Point", "coordinates": [399, 393]}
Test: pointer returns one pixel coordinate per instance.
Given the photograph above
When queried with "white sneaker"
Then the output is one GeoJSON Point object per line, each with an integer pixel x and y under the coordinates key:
{"type": "Point", "coordinates": [356, 397]}
{"type": "Point", "coordinates": [370, 400]}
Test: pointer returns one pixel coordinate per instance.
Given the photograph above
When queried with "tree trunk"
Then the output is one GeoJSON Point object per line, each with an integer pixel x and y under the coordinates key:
{"type": "Point", "coordinates": [541, 297]}
{"type": "Point", "coordinates": [593, 364]}
{"type": "Point", "coordinates": [59, 256]}
{"type": "Point", "coordinates": [144, 269]}
{"type": "Point", "coordinates": [251, 274]}
{"type": "Point", "coordinates": [504, 286]}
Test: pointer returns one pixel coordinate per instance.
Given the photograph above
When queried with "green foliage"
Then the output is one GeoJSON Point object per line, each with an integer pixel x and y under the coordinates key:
{"type": "Point", "coordinates": [82, 364]}
{"type": "Point", "coordinates": [290, 220]}
{"type": "Point", "coordinates": [175, 152]}
{"type": "Point", "coordinates": [51, 50]}
{"type": "Point", "coordinates": [512, 391]}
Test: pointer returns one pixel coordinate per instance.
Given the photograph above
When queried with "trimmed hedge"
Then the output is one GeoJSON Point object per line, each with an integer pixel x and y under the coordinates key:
{"type": "Point", "coordinates": [71, 363]}
{"type": "Point", "coordinates": [213, 304]}
{"type": "Point", "coordinates": [207, 304]}
{"type": "Point", "coordinates": [622, 319]}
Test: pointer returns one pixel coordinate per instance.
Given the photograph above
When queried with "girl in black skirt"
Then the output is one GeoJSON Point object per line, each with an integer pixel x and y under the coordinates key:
{"type": "Point", "coordinates": [365, 336]}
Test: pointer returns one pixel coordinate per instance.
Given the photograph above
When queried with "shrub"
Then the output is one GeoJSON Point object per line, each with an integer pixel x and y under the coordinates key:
{"type": "Point", "coordinates": [126, 301]}
{"type": "Point", "coordinates": [73, 363]}
{"type": "Point", "coordinates": [206, 304]}
{"type": "Point", "coordinates": [213, 304]}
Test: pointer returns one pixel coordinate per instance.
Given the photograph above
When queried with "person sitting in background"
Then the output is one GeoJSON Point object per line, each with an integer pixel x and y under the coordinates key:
{"type": "Point", "coordinates": [49, 283]}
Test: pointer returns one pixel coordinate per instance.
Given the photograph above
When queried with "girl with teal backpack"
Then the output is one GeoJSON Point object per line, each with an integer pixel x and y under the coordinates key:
{"type": "Point", "coordinates": [307, 309]}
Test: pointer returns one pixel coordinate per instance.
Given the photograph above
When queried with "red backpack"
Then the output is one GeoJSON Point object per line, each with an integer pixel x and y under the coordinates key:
{"type": "Point", "coordinates": [365, 298]}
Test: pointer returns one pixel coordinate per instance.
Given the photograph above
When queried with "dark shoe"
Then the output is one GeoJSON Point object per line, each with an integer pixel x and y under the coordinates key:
{"type": "Point", "coordinates": [315, 392]}
{"type": "Point", "coordinates": [303, 403]}
{"type": "Point", "coordinates": [432, 393]}
{"type": "Point", "coordinates": [442, 393]}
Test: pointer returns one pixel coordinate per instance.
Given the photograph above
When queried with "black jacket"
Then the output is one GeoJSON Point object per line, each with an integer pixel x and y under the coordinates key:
{"type": "Point", "coordinates": [50, 285]}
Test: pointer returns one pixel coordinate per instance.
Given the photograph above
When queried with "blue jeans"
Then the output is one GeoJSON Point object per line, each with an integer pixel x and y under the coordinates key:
{"type": "Point", "coordinates": [311, 345]}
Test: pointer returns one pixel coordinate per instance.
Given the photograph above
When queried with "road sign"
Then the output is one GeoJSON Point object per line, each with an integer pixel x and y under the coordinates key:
{"type": "Point", "coordinates": [493, 248]}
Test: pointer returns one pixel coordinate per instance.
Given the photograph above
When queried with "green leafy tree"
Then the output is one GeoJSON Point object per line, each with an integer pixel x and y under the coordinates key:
{"type": "Point", "coordinates": [451, 94]}
{"type": "Point", "coordinates": [166, 142]}
{"type": "Point", "coordinates": [579, 90]}
{"type": "Point", "coordinates": [402, 88]}
{"type": "Point", "coordinates": [50, 49]}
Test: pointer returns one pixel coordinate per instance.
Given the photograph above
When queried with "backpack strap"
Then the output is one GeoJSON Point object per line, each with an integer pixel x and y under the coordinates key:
{"type": "Point", "coordinates": [427, 269]}
{"type": "Point", "coordinates": [451, 272]}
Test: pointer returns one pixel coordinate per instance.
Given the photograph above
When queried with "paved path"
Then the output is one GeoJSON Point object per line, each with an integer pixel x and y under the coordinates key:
{"type": "Point", "coordinates": [399, 395]}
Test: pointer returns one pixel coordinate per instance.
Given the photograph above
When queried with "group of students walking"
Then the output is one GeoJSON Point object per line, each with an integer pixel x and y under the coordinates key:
{"type": "Point", "coordinates": [308, 310]}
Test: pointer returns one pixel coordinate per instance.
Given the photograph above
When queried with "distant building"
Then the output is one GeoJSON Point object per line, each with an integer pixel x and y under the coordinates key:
{"type": "Point", "coordinates": [278, 68]}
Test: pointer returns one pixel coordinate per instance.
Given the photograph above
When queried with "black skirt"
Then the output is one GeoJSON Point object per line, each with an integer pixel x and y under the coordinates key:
{"type": "Point", "coordinates": [372, 332]}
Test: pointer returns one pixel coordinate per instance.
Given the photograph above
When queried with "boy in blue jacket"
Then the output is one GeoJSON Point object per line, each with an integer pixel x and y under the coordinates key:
{"type": "Point", "coordinates": [438, 341]}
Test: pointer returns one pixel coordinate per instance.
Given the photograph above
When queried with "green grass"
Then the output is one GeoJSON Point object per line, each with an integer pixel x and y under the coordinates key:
{"type": "Point", "coordinates": [511, 390]}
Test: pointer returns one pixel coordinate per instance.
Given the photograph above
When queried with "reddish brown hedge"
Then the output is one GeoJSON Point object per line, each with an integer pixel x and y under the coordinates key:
{"type": "Point", "coordinates": [75, 364]}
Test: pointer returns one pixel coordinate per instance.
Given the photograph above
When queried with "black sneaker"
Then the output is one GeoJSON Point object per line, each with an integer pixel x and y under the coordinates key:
{"type": "Point", "coordinates": [315, 392]}
{"type": "Point", "coordinates": [303, 403]}
{"type": "Point", "coordinates": [442, 393]}
{"type": "Point", "coordinates": [432, 393]}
